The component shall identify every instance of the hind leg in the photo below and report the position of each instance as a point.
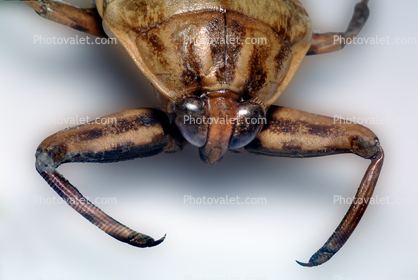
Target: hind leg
(292, 133)
(86, 20)
(334, 41)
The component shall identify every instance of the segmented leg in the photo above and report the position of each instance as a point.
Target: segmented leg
(85, 20)
(334, 41)
(122, 136)
(292, 133)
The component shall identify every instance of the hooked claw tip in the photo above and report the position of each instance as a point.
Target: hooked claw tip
(158, 241)
(321, 256)
(151, 242)
(306, 264)
(143, 241)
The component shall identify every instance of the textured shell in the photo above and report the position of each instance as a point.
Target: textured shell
(186, 47)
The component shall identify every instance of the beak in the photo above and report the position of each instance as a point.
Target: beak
(221, 113)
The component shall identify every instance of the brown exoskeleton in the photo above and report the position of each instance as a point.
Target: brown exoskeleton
(217, 87)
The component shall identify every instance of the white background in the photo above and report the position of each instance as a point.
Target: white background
(44, 86)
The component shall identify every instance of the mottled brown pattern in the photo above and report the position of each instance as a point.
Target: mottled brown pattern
(235, 34)
(283, 126)
(282, 56)
(139, 15)
(217, 34)
(134, 123)
(90, 134)
(320, 130)
(137, 127)
(156, 43)
(223, 64)
(192, 68)
(258, 75)
(297, 126)
(57, 152)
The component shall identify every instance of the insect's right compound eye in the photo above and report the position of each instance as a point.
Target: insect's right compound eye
(250, 119)
(191, 120)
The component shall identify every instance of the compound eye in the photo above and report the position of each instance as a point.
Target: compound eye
(250, 120)
(190, 119)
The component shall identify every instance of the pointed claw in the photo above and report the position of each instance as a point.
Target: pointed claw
(305, 264)
(320, 257)
(157, 242)
(143, 241)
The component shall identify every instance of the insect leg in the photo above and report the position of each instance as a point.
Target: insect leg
(86, 20)
(292, 133)
(122, 136)
(334, 41)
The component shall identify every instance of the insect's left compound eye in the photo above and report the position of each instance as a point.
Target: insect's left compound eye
(191, 120)
(250, 119)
